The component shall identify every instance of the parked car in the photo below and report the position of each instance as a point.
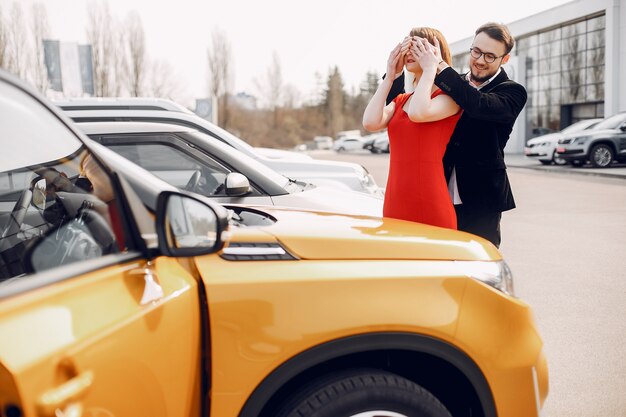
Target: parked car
(377, 142)
(120, 295)
(602, 145)
(343, 175)
(348, 143)
(323, 142)
(543, 148)
(192, 161)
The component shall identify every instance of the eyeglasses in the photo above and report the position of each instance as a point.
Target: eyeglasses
(489, 57)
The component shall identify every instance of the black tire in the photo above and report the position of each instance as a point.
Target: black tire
(601, 155)
(557, 160)
(352, 393)
(544, 162)
(577, 163)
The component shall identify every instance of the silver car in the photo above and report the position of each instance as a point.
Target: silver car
(543, 148)
(343, 175)
(193, 161)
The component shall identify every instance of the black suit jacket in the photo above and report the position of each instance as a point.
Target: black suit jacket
(476, 148)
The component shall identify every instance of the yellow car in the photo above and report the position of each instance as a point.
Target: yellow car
(121, 296)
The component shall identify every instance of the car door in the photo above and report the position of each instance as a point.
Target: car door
(170, 158)
(88, 326)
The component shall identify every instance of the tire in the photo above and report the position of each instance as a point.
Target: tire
(544, 162)
(577, 163)
(341, 149)
(601, 155)
(557, 160)
(364, 393)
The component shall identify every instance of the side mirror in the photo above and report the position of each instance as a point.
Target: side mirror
(236, 185)
(189, 225)
(39, 194)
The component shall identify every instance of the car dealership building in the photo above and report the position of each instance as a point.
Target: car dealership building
(572, 61)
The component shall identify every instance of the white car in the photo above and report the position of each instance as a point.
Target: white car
(342, 175)
(543, 148)
(192, 161)
(348, 143)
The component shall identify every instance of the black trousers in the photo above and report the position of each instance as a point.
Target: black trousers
(479, 222)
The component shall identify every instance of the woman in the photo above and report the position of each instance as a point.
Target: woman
(419, 125)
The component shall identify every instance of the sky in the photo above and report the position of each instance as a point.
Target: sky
(309, 37)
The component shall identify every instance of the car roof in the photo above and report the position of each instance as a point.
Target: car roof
(106, 128)
(120, 103)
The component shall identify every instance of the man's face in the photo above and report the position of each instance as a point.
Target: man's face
(480, 69)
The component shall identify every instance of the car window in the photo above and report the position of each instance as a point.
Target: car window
(176, 167)
(57, 205)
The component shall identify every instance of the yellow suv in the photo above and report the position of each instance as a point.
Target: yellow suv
(121, 296)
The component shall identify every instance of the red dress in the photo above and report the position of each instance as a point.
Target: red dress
(416, 186)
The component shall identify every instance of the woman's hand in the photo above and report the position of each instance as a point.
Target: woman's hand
(395, 63)
(425, 54)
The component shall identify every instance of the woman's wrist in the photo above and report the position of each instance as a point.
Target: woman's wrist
(441, 65)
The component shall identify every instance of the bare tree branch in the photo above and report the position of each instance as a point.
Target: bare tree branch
(3, 42)
(100, 35)
(19, 57)
(40, 31)
(136, 46)
(219, 60)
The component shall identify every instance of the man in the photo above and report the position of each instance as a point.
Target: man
(474, 159)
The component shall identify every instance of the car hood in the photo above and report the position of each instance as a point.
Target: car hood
(333, 199)
(322, 235)
(313, 166)
(600, 133)
(282, 154)
(551, 137)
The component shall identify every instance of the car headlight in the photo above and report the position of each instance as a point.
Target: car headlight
(367, 180)
(581, 140)
(495, 274)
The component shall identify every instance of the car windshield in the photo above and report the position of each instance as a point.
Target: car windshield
(581, 125)
(612, 122)
(25, 124)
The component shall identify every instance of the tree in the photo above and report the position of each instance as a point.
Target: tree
(40, 31)
(101, 35)
(161, 80)
(18, 52)
(135, 40)
(334, 101)
(271, 87)
(219, 60)
(3, 42)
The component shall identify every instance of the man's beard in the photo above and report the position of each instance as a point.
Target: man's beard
(480, 80)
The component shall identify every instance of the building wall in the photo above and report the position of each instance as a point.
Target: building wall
(570, 60)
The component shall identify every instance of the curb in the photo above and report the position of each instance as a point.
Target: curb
(595, 172)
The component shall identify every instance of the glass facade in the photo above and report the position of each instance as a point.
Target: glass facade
(564, 73)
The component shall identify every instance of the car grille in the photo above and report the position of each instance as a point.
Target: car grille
(252, 251)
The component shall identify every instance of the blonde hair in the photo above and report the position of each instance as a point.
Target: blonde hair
(430, 34)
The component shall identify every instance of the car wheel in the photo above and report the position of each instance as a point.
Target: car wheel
(364, 393)
(544, 162)
(341, 149)
(557, 160)
(601, 156)
(577, 163)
